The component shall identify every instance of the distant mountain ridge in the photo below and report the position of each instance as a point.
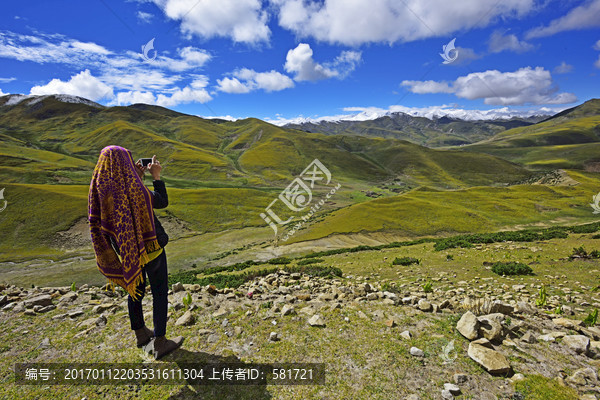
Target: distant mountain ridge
(437, 132)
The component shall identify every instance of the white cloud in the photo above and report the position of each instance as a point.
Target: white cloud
(6, 80)
(232, 85)
(189, 58)
(584, 16)
(90, 47)
(597, 45)
(424, 87)
(2, 93)
(563, 68)
(246, 80)
(431, 112)
(499, 42)
(300, 62)
(188, 94)
(83, 85)
(597, 63)
(241, 20)
(353, 22)
(144, 17)
(524, 86)
(133, 97)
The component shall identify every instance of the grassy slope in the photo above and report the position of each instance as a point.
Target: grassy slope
(429, 212)
(567, 140)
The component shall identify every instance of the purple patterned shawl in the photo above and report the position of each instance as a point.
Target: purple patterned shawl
(120, 206)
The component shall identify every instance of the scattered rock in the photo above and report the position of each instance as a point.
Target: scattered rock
(460, 378)
(567, 323)
(578, 343)
(482, 352)
(452, 388)
(499, 307)
(390, 322)
(41, 300)
(186, 319)
(46, 309)
(287, 310)
(490, 328)
(529, 337)
(316, 321)
(468, 325)
(424, 305)
(406, 335)
(525, 308)
(274, 336)
(177, 287)
(583, 377)
(414, 351)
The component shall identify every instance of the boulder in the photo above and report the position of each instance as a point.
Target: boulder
(41, 300)
(482, 352)
(499, 307)
(468, 325)
(567, 323)
(578, 343)
(490, 328)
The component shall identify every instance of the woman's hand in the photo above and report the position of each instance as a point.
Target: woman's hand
(139, 169)
(154, 168)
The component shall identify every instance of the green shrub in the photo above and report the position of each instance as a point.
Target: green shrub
(187, 300)
(428, 287)
(542, 297)
(511, 268)
(449, 257)
(73, 287)
(406, 261)
(279, 261)
(587, 228)
(591, 319)
(310, 261)
(580, 252)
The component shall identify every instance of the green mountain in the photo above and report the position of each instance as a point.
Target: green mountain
(222, 174)
(570, 139)
(437, 132)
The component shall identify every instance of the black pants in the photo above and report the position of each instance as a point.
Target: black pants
(156, 272)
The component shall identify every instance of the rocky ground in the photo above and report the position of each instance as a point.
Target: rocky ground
(479, 339)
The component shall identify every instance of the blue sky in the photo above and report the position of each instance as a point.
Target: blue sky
(282, 59)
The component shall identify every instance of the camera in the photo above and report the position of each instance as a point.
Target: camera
(145, 161)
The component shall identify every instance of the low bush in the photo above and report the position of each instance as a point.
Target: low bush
(406, 261)
(511, 268)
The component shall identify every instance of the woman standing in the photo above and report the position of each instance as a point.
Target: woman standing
(129, 240)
